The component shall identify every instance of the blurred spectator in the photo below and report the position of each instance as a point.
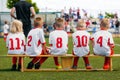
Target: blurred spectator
(5, 30)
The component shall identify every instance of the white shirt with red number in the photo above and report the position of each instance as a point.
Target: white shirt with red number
(81, 42)
(5, 28)
(35, 39)
(15, 43)
(59, 41)
(102, 39)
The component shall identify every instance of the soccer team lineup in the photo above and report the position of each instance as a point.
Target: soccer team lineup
(38, 40)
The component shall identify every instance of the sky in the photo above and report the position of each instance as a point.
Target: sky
(93, 7)
(88, 4)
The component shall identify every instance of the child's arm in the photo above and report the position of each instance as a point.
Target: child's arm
(110, 43)
(44, 48)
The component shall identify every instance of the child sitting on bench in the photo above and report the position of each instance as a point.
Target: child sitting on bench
(81, 44)
(103, 43)
(58, 41)
(36, 44)
(16, 42)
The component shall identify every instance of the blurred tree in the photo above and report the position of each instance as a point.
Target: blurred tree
(109, 15)
(10, 4)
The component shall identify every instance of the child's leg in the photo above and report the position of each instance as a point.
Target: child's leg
(14, 61)
(31, 64)
(41, 60)
(35, 59)
(56, 61)
(107, 61)
(75, 62)
(58, 66)
(87, 64)
(19, 63)
(86, 60)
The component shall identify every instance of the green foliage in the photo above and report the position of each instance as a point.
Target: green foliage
(109, 15)
(10, 4)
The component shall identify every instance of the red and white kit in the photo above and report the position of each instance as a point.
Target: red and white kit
(15, 43)
(81, 42)
(58, 40)
(35, 39)
(102, 42)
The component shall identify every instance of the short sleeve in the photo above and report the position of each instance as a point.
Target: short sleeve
(42, 38)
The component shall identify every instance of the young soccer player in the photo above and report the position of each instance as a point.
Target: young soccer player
(103, 43)
(81, 44)
(15, 42)
(58, 41)
(5, 30)
(36, 44)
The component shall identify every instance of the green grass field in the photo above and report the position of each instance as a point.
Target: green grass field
(6, 74)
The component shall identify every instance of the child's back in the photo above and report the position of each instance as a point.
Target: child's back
(59, 41)
(81, 42)
(102, 39)
(15, 43)
(34, 40)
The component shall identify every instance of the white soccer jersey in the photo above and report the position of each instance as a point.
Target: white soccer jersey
(102, 39)
(59, 41)
(35, 39)
(81, 43)
(5, 28)
(15, 43)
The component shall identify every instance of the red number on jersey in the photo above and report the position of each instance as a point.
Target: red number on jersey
(59, 42)
(99, 41)
(12, 44)
(29, 40)
(82, 41)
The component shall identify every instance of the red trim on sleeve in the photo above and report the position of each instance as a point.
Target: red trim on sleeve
(51, 45)
(43, 43)
(92, 39)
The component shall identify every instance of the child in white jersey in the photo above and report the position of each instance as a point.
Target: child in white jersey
(103, 43)
(36, 44)
(58, 40)
(5, 30)
(81, 44)
(15, 42)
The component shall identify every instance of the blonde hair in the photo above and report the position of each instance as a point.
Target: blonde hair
(59, 22)
(81, 23)
(38, 21)
(16, 26)
(104, 23)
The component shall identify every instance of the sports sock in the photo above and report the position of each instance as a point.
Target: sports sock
(75, 61)
(107, 61)
(86, 60)
(35, 59)
(42, 59)
(19, 61)
(56, 61)
(14, 60)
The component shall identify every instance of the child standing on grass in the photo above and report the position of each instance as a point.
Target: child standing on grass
(16, 42)
(5, 30)
(36, 44)
(58, 41)
(103, 43)
(81, 44)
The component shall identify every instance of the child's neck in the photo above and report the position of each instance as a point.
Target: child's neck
(38, 27)
(103, 28)
(59, 28)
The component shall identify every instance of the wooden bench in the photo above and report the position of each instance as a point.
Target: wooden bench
(66, 62)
